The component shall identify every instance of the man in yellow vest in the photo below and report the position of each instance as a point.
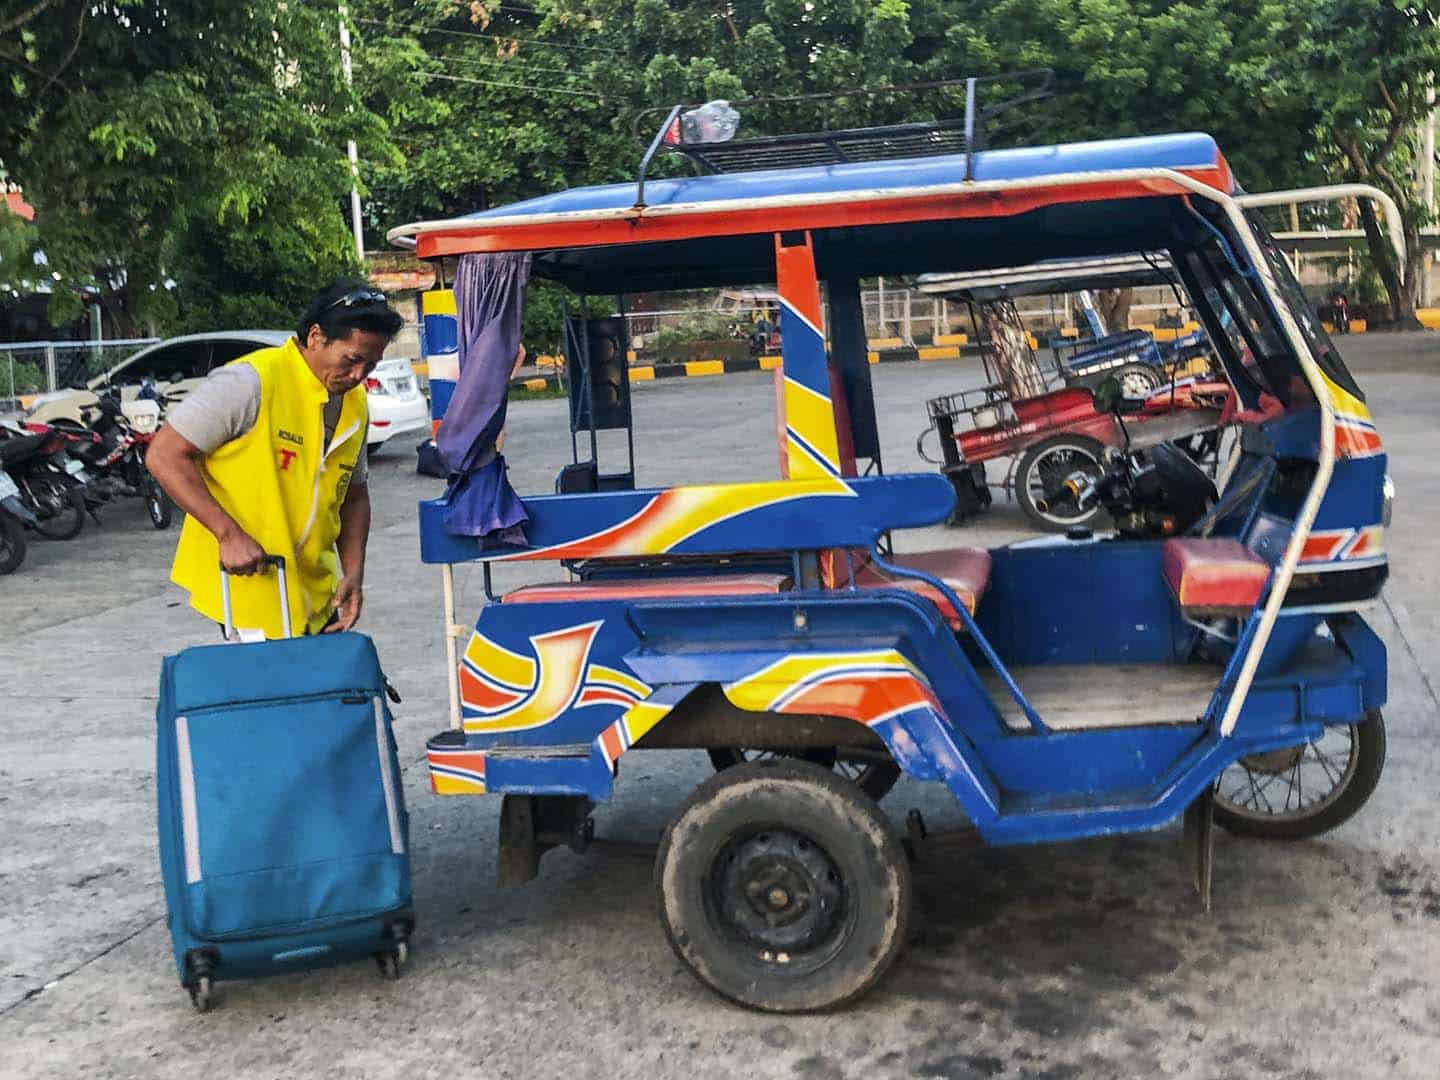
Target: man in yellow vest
(267, 456)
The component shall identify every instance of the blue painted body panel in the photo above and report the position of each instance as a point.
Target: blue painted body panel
(850, 513)
(1157, 151)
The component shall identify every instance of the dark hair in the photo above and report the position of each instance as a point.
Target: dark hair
(338, 320)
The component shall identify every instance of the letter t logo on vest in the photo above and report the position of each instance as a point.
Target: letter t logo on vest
(286, 456)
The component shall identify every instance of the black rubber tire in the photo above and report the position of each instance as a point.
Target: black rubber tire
(12, 543)
(835, 822)
(157, 504)
(1359, 785)
(69, 523)
(1138, 372)
(1082, 443)
(875, 778)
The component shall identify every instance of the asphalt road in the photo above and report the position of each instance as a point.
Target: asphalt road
(1088, 960)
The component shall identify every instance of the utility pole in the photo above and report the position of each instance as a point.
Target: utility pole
(1427, 184)
(354, 154)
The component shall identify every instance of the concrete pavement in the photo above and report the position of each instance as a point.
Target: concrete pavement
(1088, 960)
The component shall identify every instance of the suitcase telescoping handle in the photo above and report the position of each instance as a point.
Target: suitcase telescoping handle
(277, 561)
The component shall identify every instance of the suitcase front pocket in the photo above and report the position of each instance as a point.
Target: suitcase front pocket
(287, 795)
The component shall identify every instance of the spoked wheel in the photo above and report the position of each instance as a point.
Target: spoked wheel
(1041, 475)
(1300, 792)
(872, 771)
(65, 508)
(783, 888)
(1138, 380)
(12, 543)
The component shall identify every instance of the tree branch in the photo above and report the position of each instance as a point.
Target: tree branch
(74, 48)
(25, 16)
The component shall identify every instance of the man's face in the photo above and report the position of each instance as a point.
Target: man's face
(343, 363)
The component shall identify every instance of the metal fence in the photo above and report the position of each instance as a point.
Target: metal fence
(34, 367)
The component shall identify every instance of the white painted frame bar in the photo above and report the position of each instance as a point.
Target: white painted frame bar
(1162, 182)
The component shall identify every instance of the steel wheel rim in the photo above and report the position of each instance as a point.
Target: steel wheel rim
(1268, 788)
(1057, 462)
(779, 895)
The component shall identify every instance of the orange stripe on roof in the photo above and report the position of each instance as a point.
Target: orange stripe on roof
(639, 228)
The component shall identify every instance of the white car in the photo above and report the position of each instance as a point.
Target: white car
(177, 364)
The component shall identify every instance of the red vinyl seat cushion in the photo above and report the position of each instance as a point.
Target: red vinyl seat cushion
(965, 570)
(1213, 573)
(649, 588)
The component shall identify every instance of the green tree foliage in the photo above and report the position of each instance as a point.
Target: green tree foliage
(188, 157)
(554, 90)
(1366, 66)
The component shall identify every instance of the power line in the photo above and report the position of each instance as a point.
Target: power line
(509, 86)
(487, 37)
(490, 62)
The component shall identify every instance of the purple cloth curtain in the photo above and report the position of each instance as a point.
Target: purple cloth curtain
(489, 303)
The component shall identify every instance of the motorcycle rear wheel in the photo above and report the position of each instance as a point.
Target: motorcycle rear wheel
(1265, 795)
(12, 543)
(67, 523)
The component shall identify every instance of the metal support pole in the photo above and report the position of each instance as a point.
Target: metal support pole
(355, 223)
(880, 307)
(907, 331)
(1427, 186)
(452, 652)
(51, 376)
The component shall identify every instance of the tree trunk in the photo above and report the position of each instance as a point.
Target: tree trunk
(1402, 297)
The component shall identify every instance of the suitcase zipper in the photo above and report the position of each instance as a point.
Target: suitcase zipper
(356, 696)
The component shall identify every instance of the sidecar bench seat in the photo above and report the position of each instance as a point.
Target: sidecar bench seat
(1213, 576)
(649, 588)
(966, 570)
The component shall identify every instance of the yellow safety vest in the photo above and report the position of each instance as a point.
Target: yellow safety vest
(283, 488)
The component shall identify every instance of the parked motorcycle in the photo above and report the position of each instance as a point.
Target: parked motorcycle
(14, 517)
(43, 474)
(116, 456)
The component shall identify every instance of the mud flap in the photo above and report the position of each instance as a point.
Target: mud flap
(1199, 842)
(531, 825)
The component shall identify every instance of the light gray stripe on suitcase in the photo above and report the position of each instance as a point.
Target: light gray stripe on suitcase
(382, 746)
(189, 819)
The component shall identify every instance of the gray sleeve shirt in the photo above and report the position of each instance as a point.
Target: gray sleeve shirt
(226, 405)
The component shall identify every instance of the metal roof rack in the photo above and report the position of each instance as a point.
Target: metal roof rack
(976, 130)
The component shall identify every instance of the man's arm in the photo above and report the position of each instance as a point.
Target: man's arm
(354, 534)
(175, 462)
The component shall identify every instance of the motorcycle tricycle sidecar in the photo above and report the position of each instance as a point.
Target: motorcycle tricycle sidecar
(1058, 690)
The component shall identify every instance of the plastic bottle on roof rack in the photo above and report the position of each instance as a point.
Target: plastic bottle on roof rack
(713, 122)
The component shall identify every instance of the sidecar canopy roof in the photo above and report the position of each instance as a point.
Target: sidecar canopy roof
(876, 217)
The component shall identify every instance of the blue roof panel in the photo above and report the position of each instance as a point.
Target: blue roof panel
(1188, 150)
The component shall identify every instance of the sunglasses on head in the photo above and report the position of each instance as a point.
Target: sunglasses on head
(364, 295)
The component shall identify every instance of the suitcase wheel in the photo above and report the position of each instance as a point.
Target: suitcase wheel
(200, 994)
(392, 960)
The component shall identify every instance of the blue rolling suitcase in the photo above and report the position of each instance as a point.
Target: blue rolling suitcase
(284, 841)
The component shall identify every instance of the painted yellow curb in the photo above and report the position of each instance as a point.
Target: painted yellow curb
(770, 363)
(642, 374)
(873, 357)
(535, 384)
(886, 342)
(705, 367)
(1429, 317)
(952, 339)
(942, 352)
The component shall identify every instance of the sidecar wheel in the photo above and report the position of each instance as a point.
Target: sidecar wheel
(783, 888)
